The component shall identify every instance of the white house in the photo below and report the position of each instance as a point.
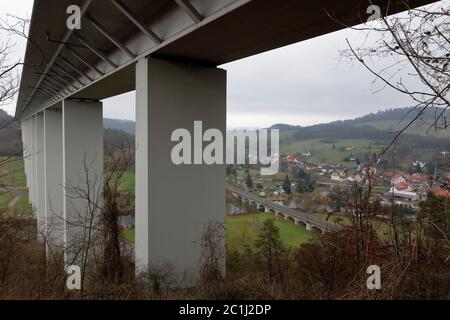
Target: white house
(421, 164)
(412, 196)
(336, 177)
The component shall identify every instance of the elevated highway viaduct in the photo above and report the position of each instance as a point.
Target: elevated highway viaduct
(169, 52)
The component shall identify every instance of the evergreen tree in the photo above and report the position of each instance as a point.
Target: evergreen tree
(338, 204)
(302, 174)
(249, 182)
(305, 185)
(287, 185)
(271, 248)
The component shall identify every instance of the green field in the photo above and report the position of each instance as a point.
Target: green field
(127, 181)
(22, 206)
(323, 152)
(12, 176)
(129, 235)
(12, 172)
(5, 198)
(242, 230)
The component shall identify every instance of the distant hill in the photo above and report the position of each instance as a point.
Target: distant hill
(380, 126)
(375, 130)
(398, 114)
(124, 125)
(376, 127)
(284, 127)
(393, 120)
(10, 138)
(118, 133)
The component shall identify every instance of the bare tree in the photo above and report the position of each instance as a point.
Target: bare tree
(13, 28)
(415, 49)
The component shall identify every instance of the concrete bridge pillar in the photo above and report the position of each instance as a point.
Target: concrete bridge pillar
(308, 227)
(175, 203)
(54, 192)
(32, 159)
(82, 152)
(24, 130)
(40, 177)
(27, 155)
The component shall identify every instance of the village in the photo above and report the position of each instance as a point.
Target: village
(323, 188)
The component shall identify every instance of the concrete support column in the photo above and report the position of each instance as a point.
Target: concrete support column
(82, 127)
(308, 227)
(32, 159)
(176, 203)
(28, 158)
(25, 149)
(54, 191)
(40, 177)
(24, 133)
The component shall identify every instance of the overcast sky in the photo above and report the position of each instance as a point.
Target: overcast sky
(301, 84)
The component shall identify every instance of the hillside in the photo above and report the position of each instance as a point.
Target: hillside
(379, 126)
(124, 125)
(370, 133)
(392, 120)
(10, 139)
(118, 133)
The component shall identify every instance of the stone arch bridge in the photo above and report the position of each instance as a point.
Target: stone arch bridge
(306, 220)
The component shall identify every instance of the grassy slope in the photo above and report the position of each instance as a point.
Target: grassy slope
(12, 173)
(322, 152)
(23, 206)
(5, 198)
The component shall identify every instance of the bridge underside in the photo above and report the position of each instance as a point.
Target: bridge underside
(60, 63)
(169, 52)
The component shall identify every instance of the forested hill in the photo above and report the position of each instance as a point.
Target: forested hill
(10, 139)
(381, 126)
(402, 115)
(396, 117)
(124, 125)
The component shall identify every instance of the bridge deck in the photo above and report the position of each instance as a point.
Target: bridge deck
(228, 30)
